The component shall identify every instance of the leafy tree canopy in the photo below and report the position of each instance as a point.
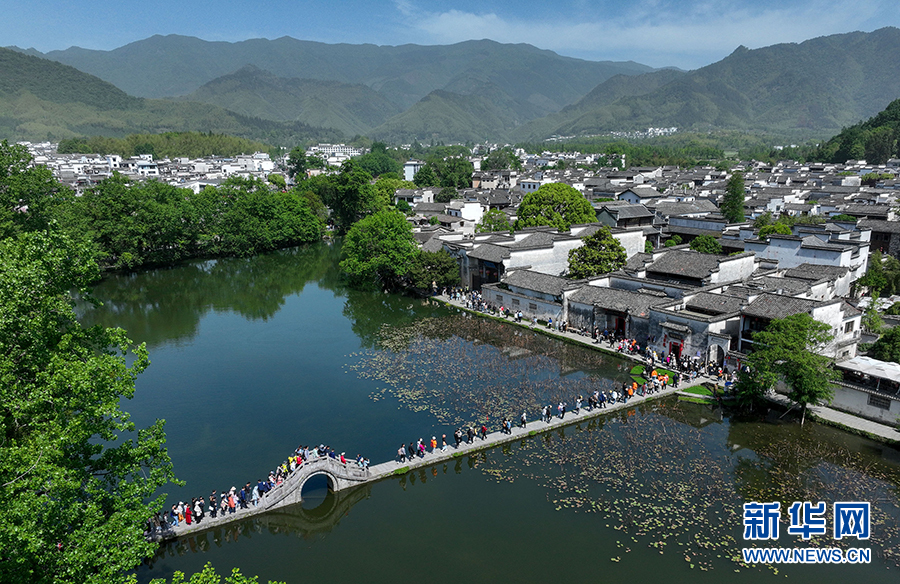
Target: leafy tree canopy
(556, 205)
(378, 250)
(298, 163)
(844, 217)
(425, 177)
(673, 241)
(786, 349)
(601, 253)
(887, 348)
(501, 159)
(494, 220)
(29, 195)
(208, 575)
(733, 202)
(706, 244)
(77, 482)
(433, 267)
(446, 195)
(768, 230)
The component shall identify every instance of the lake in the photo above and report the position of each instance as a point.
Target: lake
(251, 358)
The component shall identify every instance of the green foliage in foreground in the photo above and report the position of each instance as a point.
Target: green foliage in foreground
(77, 480)
(209, 576)
(165, 145)
(601, 253)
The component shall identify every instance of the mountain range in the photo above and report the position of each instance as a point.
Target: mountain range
(472, 91)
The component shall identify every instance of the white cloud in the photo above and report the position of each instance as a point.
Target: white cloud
(651, 31)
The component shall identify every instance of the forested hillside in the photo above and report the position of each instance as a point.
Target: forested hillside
(808, 89)
(41, 99)
(352, 109)
(876, 140)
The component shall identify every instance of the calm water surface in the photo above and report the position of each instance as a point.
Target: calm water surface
(251, 358)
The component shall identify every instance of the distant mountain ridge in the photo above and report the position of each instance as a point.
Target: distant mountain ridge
(42, 99)
(812, 88)
(351, 109)
(174, 65)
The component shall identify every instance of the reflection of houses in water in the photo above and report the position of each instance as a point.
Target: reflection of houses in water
(869, 388)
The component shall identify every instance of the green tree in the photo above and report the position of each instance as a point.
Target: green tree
(208, 575)
(29, 195)
(871, 318)
(425, 177)
(501, 159)
(887, 348)
(706, 244)
(768, 230)
(351, 196)
(77, 482)
(378, 250)
(733, 202)
(673, 241)
(786, 349)
(297, 163)
(844, 217)
(875, 278)
(135, 224)
(433, 267)
(556, 205)
(378, 162)
(601, 253)
(494, 220)
(446, 195)
(277, 180)
(386, 188)
(763, 220)
(243, 216)
(648, 246)
(453, 171)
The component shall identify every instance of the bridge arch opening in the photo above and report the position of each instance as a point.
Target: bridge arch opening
(316, 490)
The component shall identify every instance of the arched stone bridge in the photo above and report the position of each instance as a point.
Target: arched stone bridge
(342, 477)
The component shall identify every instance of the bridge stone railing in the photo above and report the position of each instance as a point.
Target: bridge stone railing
(340, 476)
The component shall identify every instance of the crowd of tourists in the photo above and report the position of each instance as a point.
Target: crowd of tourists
(229, 501)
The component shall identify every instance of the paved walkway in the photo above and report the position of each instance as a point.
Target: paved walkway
(394, 467)
(845, 421)
(823, 414)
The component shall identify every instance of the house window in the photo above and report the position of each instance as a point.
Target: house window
(515, 301)
(876, 401)
(499, 297)
(532, 306)
(848, 328)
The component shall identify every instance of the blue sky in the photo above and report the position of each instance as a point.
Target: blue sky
(686, 34)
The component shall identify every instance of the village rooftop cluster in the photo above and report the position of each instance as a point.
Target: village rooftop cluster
(683, 302)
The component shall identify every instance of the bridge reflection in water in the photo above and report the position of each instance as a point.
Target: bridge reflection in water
(292, 519)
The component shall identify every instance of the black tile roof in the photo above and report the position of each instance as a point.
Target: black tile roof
(689, 264)
(536, 281)
(815, 272)
(637, 303)
(774, 306)
(714, 303)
